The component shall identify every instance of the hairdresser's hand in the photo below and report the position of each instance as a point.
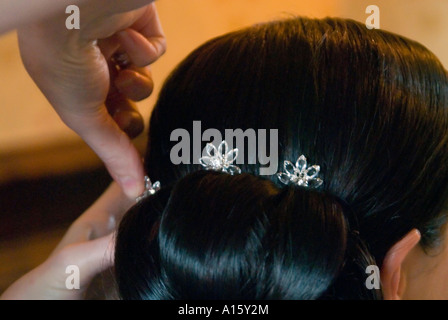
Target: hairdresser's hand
(78, 73)
(88, 244)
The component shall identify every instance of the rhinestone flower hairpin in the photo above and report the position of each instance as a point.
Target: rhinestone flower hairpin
(220, 159)
(300, 174)
(150, 189)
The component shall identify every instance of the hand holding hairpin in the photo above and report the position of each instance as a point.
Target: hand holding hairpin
(300, 174)
(150, 189)
(121, 60)
(220, 159)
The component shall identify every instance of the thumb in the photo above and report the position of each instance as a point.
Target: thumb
(114, 148)
(90, 257)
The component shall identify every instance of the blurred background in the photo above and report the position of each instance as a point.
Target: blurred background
(48, 176)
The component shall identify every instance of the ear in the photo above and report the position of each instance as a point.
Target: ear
(392, 282)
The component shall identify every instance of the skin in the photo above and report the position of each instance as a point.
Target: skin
(411, 273)
(105, 109)
(89, 244)
(426, 273)
(407, 273)
(15, 13)
(77, 73)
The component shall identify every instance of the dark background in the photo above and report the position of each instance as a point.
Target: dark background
(34, 215)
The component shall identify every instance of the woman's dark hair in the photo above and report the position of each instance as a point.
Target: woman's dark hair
(368, 106)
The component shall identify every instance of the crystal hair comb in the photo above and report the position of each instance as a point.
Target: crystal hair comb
(220, 159)
(300, 174)
(150, 189)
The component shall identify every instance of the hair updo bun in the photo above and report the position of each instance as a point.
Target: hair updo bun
(217, 236)
(369, 106)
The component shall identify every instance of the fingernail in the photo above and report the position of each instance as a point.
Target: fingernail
(131, 122)
(125, 82)
(132, 187)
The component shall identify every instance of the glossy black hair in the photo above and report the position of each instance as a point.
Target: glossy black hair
(368, 106)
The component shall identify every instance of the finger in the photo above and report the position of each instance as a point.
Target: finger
(134, 83)
(142, 51)
(109, 46)
(49, 280)
(112, 203)
(145, 40)
(150, 27)
(125, 113)
(114, 148)
(96, 255)
(100, 219)
(90, 257)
